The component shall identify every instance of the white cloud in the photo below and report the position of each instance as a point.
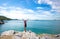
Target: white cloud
(39, 1)
(17, 12)
(21, 13)
(55, 4)
(39, 8)
(43, 1)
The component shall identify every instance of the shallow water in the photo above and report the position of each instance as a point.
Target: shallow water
(37, 26)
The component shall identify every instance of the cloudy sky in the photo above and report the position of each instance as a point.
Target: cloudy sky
(30, 9)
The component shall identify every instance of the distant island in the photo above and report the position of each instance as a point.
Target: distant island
(4, 18)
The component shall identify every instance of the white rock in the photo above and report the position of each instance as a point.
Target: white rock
(43, 38)
(27, 35)
(10, 32)
(16, 37)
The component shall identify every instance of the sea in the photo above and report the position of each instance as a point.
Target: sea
(36, 26)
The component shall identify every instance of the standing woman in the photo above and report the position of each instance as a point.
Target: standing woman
(25, 25)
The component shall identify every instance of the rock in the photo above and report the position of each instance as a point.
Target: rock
(27, 35)
(1, 22)
(10, 32)
(58, 35)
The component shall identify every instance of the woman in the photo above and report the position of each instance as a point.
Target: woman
(25, 25)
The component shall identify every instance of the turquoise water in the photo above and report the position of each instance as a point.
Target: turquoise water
(37, 26)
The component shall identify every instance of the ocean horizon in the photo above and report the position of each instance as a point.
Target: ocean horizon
(37, 26)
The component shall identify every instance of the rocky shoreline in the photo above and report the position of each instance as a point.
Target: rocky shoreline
(11, 34)
(1, 22)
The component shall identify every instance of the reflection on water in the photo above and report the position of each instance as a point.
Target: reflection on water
(42, 26)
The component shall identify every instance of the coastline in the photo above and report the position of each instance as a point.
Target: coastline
(11, 34)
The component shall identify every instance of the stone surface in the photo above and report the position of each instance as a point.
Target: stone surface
(11, 34)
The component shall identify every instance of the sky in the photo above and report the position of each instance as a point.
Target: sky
(30, 9)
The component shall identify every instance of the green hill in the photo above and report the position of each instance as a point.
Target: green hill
(4, 18)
